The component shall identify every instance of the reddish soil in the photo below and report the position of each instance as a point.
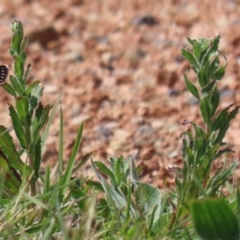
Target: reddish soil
(120, 68)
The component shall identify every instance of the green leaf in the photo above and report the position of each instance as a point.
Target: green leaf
(18, 127)
(215, 99)
(225, 125)
(192, 60)
(9, 89)
(220, 120)
(42, 115)
(191, 41)
(32, 86)
(8, 148)
(17, 36)
(199, 132)
(199, 149)
(115, 198)
(214, 66)
(211, 50)
(191, 87)
(22, 106)
(37, 157)
(46, 180)
(29, 66)
(22, 50)
(202, 77)
(207, 88)
(83, 160)
(218, 75)
(95, 184)
(149, 199)
(34, 95)
(220, 178)
(205, 108)
(214, 219)
(16, 85)
(214, 47)
(119, 170)
(68, 173)
(133, 171)
(18, 68)
(105, 170)
(197, 50)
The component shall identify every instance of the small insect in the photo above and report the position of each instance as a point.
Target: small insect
(3, 73)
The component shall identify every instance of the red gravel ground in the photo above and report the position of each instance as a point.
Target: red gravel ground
(120, 68)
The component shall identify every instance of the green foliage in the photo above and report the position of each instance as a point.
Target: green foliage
(56, 205)
(129, 199)
(202, 146)
(214, 219)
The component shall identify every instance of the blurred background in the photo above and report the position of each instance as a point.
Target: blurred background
(120, 68)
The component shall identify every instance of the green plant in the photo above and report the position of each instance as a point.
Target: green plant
(27, 198)
(201, 149)
(56, 205)
(132, 202)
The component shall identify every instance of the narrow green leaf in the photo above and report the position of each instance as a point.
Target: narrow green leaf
(211, 50)
(22, 49)
(105, 170)
(192, 60)
(8, 148)
(31, 86)
(199, 149)
(83, 160)
(133, 171)
(220, 120)
(18, 68)
(220, 178)
(42, 115)
(238, 206)
(9, 89)
(46, 180)
(218, 75)
(18, 127)
(149, 199)
(215, 99)
(115, 198)
(191, 41)
(199, 132)
(214, 67)
(16, 85)
(197, 50)
(29, 66)
(17, 35)
(214, 47)
(191, 87)
(35, 95)
(22, 106)
(37, 157)
(204, 53)
(202, 78)
(207, 88)
(68, 173)
(206, 109)
(48, 231)
(60, 151)
(225, 125)
(95, 184)
(119, 170)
